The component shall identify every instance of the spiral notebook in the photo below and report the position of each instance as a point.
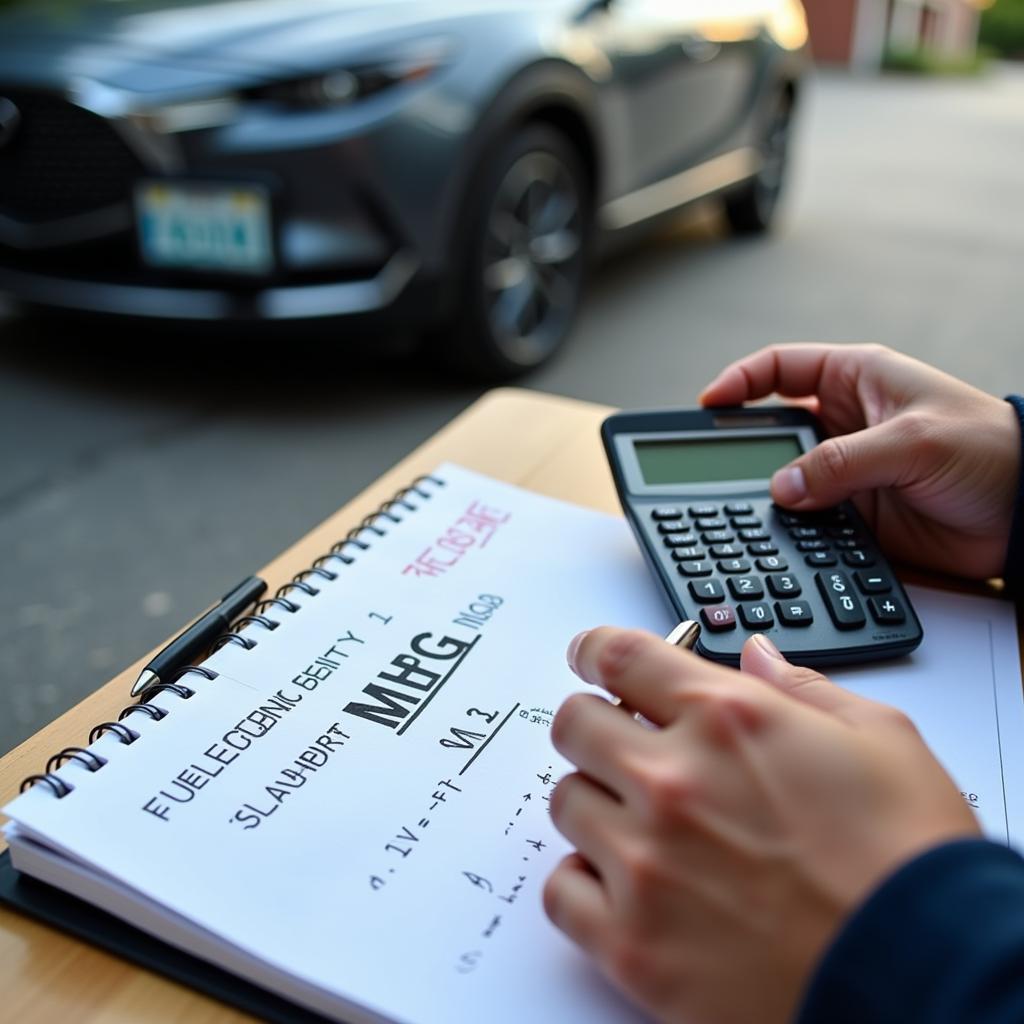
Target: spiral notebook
(346, 805)
(342, 813)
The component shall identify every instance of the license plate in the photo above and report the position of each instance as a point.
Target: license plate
(205, 227)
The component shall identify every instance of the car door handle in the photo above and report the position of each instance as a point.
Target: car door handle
(699, 48)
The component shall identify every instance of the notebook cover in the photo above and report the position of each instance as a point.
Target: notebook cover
(84, 921)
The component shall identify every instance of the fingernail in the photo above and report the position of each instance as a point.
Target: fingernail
(708, 388)
(574, 646)
(768, 647)
(789, 485)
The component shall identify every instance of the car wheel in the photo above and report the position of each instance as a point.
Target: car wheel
(524, 258)
(751, 209)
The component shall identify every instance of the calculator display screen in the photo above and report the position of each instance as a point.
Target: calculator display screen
(713, 461)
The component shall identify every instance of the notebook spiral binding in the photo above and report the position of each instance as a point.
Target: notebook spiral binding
(93, 762)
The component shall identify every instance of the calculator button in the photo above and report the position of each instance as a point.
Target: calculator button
(772, 563)
(746, 588)
(847, 545)
(842, 532)
(763, 547)
(732, 565)
(787, 518)
(712, 524)
(726, 551)
(673, 526)
(873, 582)
(858, 557)
(697, 568)
(707, 591)
(756, 616)
(784, 585)
(887, 611)
(717, 537)
(812, 545)
(739, 509)
(746, 521)
(719, 619)
(665, 512)
(794, 613)
(703, 511)
(679, 540)
(688, 554)
(805, 533)
(834, 516)
(758, 534)
(821, 559)
(843, 604)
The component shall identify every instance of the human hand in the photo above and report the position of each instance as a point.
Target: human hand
(931, 462)
(720, 850)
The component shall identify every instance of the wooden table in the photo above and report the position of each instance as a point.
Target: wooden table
(540, 442)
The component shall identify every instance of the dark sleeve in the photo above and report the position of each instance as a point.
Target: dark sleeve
(1013, 572)
(940, 942)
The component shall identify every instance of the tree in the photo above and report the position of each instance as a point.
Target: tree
(1002, 28)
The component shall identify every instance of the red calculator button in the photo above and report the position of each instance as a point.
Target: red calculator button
(719, 619)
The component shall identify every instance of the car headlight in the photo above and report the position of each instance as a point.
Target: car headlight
(341, 87)
(338, 87)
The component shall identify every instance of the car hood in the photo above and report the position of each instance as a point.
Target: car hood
(149, 46)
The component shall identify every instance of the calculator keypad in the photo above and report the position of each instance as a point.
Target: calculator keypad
(751, 566)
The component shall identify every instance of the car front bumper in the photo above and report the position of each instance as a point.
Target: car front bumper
(366, 296)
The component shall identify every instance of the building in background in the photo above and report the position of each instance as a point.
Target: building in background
(857, 33)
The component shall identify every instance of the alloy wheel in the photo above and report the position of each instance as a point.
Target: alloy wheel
(533, 257)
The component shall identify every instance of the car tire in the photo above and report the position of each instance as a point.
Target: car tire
(521, 260)
(751, 209)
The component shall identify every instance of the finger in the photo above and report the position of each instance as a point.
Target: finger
(576, 903)
(599, 739)
(843, 466)
(640, 668)
(792, 370)
(589, 817)
(761, 658)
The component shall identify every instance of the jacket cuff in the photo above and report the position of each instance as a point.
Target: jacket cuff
(1013, 571)
(931, 945)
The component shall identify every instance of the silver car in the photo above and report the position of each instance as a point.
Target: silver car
(448, 166)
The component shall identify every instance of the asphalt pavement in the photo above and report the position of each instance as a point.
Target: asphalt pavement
(142, 475)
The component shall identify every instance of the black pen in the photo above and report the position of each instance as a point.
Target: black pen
(200, 635)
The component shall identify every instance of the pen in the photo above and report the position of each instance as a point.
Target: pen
(686, 634)
(200, 635)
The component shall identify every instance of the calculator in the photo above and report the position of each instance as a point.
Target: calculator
(695, 488)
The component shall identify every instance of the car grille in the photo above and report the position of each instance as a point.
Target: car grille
(64, 161)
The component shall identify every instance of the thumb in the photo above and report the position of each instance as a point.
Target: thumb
(761, 658)
(840, 467)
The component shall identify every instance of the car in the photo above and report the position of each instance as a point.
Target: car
(448, 166)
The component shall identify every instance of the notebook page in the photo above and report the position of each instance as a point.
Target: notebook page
(384, 839)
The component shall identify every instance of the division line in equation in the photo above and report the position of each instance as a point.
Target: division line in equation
(437, 688)
(483, 746)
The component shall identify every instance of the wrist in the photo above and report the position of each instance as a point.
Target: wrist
(1013, 569)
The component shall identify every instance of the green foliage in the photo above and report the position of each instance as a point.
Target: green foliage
(929, 62)
(1002, 28)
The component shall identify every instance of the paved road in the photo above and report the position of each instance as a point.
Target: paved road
(135, 488)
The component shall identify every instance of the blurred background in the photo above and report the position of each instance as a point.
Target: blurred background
(250, 257)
